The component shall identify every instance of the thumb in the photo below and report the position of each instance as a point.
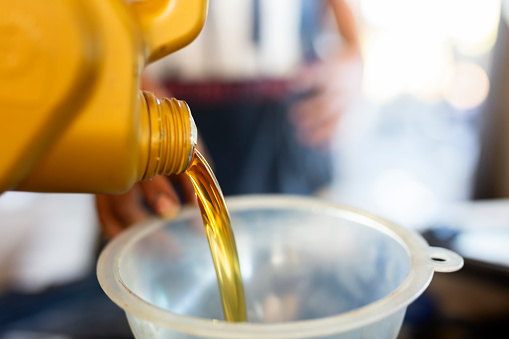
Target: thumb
(161, 196)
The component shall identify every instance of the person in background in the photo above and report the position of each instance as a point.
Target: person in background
(267, 83)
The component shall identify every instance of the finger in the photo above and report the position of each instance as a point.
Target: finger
(161, 196)
(321, 136)
(317, 126)
(128, 207)
(304, 109)
(308, 77)
(117, 212)
(310, 112)
(321, 132)
(110, 224)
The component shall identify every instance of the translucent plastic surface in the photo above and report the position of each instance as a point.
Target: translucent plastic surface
(310, 270)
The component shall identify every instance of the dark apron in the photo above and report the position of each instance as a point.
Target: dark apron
(254, 149)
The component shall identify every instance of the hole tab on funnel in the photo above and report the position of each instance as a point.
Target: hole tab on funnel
(444, 260)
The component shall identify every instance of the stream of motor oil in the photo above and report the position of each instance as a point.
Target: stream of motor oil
(216, 221)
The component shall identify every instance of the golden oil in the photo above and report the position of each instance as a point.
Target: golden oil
(216, 221)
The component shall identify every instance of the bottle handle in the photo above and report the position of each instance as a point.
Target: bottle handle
(168, 25)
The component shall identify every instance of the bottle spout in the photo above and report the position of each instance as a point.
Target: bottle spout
(171, 137)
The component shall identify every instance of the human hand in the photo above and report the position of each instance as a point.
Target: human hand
(117, 212)
(333, 85)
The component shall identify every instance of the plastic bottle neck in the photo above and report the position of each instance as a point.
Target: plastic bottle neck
(169, 133)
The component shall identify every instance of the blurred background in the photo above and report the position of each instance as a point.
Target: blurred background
(412, 145)
(424, 145)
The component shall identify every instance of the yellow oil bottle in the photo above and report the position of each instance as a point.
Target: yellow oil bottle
(72, 117)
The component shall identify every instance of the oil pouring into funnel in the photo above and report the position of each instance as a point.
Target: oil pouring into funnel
(310, 269)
